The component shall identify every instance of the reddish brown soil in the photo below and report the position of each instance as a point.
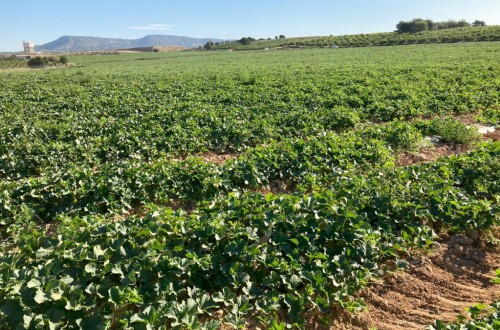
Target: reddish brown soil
(493, 135)
(177, 204)
(468, 118)
(218, 158)
(425, 155)
(279, 187)
(208, 157)
(430, 154)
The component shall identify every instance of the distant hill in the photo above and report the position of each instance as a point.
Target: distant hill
(79, 44)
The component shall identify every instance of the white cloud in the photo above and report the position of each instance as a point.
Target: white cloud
(153, 27)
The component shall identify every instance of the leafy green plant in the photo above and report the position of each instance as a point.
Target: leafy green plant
(496, 280)
(481, 316)
(38, 61)
(403, 136)
(132, 197)
(451, 130)
(490, 116)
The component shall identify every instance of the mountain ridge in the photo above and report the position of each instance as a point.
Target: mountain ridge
(69, 43)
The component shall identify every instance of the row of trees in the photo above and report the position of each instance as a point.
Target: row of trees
(465, 34)
(243, 41)
(39, 61)
(249, 40)
(420, 24)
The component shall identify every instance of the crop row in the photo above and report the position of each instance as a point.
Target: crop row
(249, 255)
(62, 118)
(119, 186)
(466, 34)
(11, 64)
(94, 157)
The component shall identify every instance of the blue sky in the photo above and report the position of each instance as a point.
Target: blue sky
(45, 20)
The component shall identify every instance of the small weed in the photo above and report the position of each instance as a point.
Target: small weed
(404, 136)
(451, 130)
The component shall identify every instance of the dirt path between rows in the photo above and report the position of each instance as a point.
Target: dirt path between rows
(437, 286)
(431, 153)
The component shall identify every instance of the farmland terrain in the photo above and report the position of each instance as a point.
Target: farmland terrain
(82, 44)
(455, 35)
(251, 189)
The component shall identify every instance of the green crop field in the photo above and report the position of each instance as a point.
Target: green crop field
(464, 34)
(155, 190)
(12, 64)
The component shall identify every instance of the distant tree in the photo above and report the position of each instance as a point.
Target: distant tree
(430, 24)
(275, 37)
(416, 25)
(478, 23)
(463, 23)
(38, 62)
(246, 40)
(282, 36)
(442, 25)
(53, 60)
(403, 27)
(420, 25)
(63, 59)
(209, 45)
(452, 24)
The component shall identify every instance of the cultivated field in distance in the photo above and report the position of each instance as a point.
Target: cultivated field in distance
(349, 188)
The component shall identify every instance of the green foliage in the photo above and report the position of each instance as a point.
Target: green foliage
(93, 118)
(423, 32)
(41, 61)
(12, 63)
(420, 25)
(490, 116)
(209, 45)
(414, 26)
(63, 59)
(481, 316)
(305, 210)
(404, 136)
(38, 61)
(496, 279)
(246, 40)
(478, 23)
(245, 252)
(53, 60)
(117, 186)
(450, 130)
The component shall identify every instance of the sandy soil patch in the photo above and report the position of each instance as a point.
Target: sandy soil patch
(437, 286)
